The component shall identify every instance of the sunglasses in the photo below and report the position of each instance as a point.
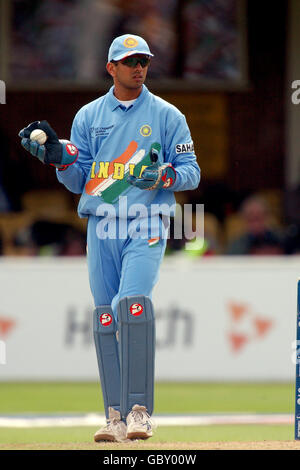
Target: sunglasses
(133, 61)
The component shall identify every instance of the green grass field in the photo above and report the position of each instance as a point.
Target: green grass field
(170, 398)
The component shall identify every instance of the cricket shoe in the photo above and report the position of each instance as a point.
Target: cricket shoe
(139, 424)
(114, 430)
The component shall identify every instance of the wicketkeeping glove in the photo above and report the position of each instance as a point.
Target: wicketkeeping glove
(155, 176)
(55, 152)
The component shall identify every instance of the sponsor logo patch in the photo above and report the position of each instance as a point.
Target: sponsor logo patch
(136, 309)
(167, 181)
(105, 319)
(71, 149)
(185, 148)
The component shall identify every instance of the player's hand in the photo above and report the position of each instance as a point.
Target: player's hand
(155, 176)
(59, 153)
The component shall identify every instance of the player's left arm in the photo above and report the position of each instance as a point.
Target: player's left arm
(179, 152)
(179, 171)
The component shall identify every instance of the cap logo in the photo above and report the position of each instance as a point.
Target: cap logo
(130, 42)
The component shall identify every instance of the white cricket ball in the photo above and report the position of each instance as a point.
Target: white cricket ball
(38, 136)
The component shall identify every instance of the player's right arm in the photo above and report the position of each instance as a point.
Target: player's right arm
(72, 159)
(74, 177)
(55, 152)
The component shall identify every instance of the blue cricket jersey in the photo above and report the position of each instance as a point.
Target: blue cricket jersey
(115, 141)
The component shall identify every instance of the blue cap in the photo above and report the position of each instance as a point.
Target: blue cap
(126, 45)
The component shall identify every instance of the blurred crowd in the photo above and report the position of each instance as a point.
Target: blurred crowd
(46, 45)
(264, 223)
(267, 223)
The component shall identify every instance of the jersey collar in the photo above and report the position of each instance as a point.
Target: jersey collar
(113, 103)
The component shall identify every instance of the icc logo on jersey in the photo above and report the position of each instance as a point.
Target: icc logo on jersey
(146, 130)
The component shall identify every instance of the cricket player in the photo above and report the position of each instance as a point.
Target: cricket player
(128, 153)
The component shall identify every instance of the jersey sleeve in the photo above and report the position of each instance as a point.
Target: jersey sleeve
(179, 151)
(74, 177)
